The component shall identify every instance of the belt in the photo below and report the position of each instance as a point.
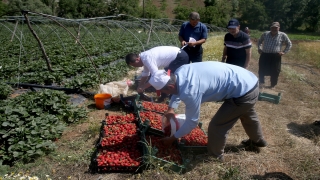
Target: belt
(250, 91)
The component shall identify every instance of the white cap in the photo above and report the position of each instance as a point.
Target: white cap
(159, 79)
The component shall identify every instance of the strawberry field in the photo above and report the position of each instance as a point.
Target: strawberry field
(77, 55)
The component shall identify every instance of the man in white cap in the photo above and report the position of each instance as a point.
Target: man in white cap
(213, 81)
(167, 57)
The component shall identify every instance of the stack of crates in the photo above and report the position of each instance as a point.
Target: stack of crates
(131, 143)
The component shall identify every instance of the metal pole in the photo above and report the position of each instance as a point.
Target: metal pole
(143, 8)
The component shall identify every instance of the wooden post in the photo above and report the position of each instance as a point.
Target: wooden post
(39, 42)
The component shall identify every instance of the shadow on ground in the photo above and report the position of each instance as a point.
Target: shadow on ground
(309, 131)
(272, 175)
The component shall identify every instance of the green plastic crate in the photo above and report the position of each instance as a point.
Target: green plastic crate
(149, 158)
(270, 97)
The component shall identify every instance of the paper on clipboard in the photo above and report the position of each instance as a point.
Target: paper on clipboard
(192, 40)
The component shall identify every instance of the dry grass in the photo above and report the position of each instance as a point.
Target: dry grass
(294, 142)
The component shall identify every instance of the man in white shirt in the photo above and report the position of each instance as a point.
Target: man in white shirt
(167, 57)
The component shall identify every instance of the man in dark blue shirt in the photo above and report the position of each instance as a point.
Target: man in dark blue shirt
(192, 35)
(237, 46)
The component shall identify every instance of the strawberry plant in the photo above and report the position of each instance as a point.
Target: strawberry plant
(5, 90)
(32, 121)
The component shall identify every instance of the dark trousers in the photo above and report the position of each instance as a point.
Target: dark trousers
(195, 54)
(226, 117)
(238, 62)
(181, 59)
(269, 65)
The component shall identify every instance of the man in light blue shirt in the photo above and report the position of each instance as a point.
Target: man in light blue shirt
(213, 81)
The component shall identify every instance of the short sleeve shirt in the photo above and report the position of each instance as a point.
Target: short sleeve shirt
(198, 32)
(236, 46)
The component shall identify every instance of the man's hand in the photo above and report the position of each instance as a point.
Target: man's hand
(192, 44)
(281, 53)
(169, 114)
(140, 89)
(167, 141)
(223, 59)
(183, 43)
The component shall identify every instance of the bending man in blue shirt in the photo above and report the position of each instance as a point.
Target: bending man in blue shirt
(213, 81)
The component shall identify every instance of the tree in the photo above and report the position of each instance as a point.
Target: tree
(3, 8)
(51, 4)
(15, 7)
(93, 8)
(83, 8)
(253, 14)
(295, 18)
(182, 12)
(129, 7)
(312, 15)
(209, 3)
(152, 12)
(68, 9)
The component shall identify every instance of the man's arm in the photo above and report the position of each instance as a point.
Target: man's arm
(142, 83)
(182, 41)
(248, 57)
(288, 44)
(224, 54)
(199, 42)
(260, 43)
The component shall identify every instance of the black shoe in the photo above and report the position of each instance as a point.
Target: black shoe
(249, 142)
(317, 123)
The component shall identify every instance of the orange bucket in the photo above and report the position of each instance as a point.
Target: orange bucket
(102, 100)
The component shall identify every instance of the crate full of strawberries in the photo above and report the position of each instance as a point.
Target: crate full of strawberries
(156, 154)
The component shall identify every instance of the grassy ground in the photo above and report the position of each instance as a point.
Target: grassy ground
(294, 142)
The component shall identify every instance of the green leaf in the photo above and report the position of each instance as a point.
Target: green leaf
(5, 124)
(30, 151)
(5, 135)
(16, 154)
(21, 142)
(38, 145)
